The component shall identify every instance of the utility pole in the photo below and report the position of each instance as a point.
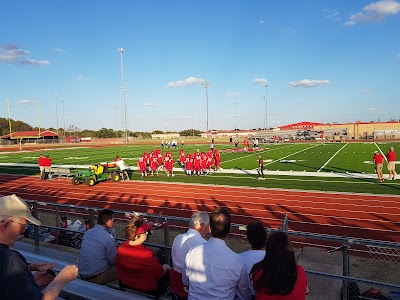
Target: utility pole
(206, 85)
(123, 90)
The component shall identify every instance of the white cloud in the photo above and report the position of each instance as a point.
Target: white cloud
(259, 81)
(375, 12)
(151, 105)
(331, 14)
(81, 77)
(11, 54)
(232, 94)
(185, 82)
(372, 109)
(57, 50)
(25, 101)
(306, 83)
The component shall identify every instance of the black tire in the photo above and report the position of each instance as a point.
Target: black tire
(90, 181)
(75, 181)
(115, 177)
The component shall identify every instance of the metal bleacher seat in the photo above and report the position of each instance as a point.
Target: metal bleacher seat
(80, 289)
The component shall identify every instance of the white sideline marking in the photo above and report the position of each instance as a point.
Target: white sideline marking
(331, 158)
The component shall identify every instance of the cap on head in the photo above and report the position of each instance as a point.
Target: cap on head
(14, 206)
(144, 227)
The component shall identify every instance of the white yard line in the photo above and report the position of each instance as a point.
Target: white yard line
(257, 152)
(380, 150)
(332, 158)
(290, 155)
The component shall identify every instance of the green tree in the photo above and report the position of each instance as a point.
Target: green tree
(157, 132)
(190, 132)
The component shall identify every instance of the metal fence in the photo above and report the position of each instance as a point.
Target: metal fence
(360, 268)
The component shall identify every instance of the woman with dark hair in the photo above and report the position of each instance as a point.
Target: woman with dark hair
(137, 266)
(277, 276)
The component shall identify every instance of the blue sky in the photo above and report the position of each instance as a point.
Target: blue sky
(323, 61)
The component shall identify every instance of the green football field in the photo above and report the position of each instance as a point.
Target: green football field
(321, 158)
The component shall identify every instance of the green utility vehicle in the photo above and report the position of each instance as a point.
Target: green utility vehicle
(96, 174)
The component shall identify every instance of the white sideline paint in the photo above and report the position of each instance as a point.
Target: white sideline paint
(331, 158)
(228, 171)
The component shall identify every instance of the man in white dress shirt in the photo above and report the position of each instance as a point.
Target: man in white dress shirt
(199, 226)
(257, 238)
(213, 270)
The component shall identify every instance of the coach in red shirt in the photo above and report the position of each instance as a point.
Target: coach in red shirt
(391, 158)
(378, 161)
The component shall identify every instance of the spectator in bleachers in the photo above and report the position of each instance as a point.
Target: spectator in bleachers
(213, 270)
(257, 238)
(278, 276)
(16, 279)
(137, 266)
(98, 250)
(198, 228)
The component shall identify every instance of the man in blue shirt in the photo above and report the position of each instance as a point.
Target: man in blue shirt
(98, 250)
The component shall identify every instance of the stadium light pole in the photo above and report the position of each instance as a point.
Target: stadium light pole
(206, 85)
(56, 110)
(266, 94)
(236, 126)
(123, 90)
(62, 101)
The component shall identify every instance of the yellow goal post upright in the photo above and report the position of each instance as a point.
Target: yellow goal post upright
(24, 137)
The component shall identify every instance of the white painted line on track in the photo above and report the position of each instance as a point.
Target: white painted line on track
(331, 158)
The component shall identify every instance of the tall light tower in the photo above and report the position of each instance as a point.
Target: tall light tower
(266, 93)
(62, 101)
(123, 90)
(56, 110)
(206, 85)
(236, 126)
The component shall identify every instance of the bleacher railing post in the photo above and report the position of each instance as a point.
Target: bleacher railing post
(35, 227)
(91, 218)
(346, 271)
(285, 225)
(166, 243)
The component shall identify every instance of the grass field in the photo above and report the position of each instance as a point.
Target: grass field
(295, 157)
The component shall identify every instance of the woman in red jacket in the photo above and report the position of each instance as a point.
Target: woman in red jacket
(277, 276)
(137, 266)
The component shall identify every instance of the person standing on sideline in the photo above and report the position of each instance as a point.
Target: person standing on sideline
(41, 166)
(122, 169)
(16, 279)
(47, 165)
(378, 161)
(213, 270)
(257, 237)
(198, 228)
(98, 251)
(260, 169)
(391, 158)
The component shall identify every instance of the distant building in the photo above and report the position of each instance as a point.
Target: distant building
(33, 136)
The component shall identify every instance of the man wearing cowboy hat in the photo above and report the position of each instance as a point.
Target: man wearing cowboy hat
(16, 279)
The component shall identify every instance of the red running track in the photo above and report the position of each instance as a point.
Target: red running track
(357, 215)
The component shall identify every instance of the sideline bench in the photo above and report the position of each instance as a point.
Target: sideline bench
(60, 172)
